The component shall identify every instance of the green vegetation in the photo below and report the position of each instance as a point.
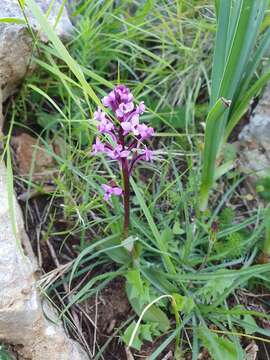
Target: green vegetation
(232, 77)
(189, 265)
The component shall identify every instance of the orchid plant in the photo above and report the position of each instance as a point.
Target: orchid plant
(121, 137)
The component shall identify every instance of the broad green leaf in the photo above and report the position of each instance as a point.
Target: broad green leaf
(166, 238)
(177, 230)
(137, 288)
(214, 288)
(219, 347)
(145, 332)
(242, 107)
(220, 49)
(183, 303)
(153, 314)
(137, 343)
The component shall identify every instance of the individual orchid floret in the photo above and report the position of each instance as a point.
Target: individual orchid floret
(118, 153)
(145, 131)
(109, 100)
(105, 126)
(141, 108)
(148, 154)
(109, 191)
(99, 115)
(131, 125)
(124, 109)
(98, 147)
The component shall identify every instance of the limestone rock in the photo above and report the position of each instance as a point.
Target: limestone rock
(16, 42)
(22, 309)
(22, 319)
(254, 139)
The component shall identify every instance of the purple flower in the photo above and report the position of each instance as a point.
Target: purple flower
(148, 154)
(123, 94)
(99, 115)
(109, 100)
(141, 108)
(118, 153)
(145, 131)
(105, 126)
(109, 191)
(98, 147)
(124, 108)
(131, 125)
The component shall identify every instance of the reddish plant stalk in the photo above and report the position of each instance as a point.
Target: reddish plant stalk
(126, 195)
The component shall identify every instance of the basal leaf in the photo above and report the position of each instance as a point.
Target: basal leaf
(219, 347)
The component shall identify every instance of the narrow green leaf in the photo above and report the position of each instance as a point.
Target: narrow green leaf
(220, 48)
(213, 135)
(12, 20)
(167, 261)
(61, 49)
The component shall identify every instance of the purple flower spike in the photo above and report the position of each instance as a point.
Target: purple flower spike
(123, 141)
(98, 147)
(109, 191)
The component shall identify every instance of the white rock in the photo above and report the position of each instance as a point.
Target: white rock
(16, 43)
(22, 319)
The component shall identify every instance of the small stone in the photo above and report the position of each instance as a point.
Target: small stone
(32, 158)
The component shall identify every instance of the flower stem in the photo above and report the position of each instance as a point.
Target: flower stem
(126, 192)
